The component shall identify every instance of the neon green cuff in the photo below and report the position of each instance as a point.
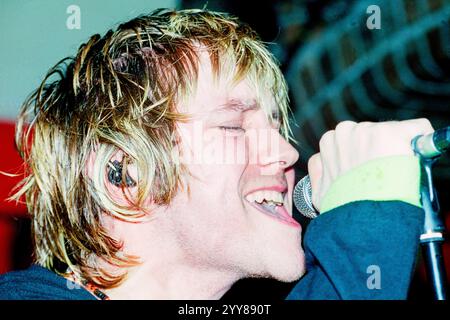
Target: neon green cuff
(383, 179)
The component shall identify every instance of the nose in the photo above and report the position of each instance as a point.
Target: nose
(274, 152)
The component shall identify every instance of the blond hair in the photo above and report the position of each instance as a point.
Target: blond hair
(120, 93)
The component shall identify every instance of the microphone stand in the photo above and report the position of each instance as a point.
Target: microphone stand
(432, 235)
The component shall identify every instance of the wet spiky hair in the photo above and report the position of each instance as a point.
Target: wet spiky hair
(120, 93)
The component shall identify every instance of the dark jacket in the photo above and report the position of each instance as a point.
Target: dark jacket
(362, 250)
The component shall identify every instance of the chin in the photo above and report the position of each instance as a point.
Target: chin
(283, 268)
(286, 262)
(290, 273)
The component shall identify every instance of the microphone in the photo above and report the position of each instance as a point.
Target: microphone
(426, 146)
(433, 144)
(302, 197)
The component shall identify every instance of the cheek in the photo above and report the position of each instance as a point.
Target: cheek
(213, 216)
(219, 164)
(211, 146)
(221, 184)
(214, 213)
(215, 174)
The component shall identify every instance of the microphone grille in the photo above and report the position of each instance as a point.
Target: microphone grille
(302, 197)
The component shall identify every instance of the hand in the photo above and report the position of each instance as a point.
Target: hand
(352, 144)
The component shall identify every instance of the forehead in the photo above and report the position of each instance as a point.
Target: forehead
(211, 92)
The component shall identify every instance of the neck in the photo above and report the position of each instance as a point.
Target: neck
(169, 268)
(173, 282)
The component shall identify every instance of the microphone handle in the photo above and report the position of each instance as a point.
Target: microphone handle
(432, 252)
(433, 144)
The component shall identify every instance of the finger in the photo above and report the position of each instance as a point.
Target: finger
(315, 171)
(419, 126)
(328, 154)
(343, 134)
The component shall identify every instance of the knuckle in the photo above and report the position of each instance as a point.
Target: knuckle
(315, 169)
(343, 131)
(365, 125)
(326, 138)
(425, 124)
(345, 125)
(417, 126)
(314, 161)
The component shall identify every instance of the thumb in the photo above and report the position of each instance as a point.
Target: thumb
(315, 170)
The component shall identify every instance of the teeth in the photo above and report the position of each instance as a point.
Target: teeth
(267, 196)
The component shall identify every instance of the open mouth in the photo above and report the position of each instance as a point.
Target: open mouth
(271, 203)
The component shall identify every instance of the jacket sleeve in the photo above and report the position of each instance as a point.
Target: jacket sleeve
(361, 250)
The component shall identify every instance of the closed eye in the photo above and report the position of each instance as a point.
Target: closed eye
(232, 129)
(226, 128)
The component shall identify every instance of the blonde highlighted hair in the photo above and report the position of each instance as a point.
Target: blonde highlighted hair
(119, 93)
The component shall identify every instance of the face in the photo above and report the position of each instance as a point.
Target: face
(236, 213)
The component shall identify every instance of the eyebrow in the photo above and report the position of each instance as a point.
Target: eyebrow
(238, 105)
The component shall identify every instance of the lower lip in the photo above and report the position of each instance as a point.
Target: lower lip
(287, 219)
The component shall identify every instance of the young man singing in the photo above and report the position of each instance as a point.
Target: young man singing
(159, 167)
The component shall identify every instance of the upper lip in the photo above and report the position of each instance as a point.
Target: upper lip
(279, 188)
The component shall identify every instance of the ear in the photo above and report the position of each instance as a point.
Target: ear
(122, 194)
(118, 175)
